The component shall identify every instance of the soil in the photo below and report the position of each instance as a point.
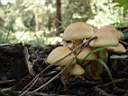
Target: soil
(15, 75)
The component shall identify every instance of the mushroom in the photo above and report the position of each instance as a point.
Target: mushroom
(76, 32)
(120, 35)
(77, 70)
(59, 53)
(81, 56)
(105, 37)
(117, 49)
(117, 33)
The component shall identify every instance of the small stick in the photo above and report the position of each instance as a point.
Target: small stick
(123, 42)
(115, 81)
(101, 92)
(33, 80)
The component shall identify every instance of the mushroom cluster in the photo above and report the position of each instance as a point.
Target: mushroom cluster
(70, 54)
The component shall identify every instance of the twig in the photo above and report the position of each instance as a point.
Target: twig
(123, 42)
(36, 93)
(44, 94)
(115, 81)
(126, 93)
(101, 92)
(8, 33)
(49, 81)
(24, 92)
(34, 79)
(7, 81)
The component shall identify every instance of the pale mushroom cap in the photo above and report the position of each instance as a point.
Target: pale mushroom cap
(105, 37)
(84, 53)
(118, 49)
(78, 31)
(58, 53)
(120, 35)
(77, 70)
(117, 33)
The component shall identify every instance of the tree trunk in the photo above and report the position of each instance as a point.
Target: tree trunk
(58, 16)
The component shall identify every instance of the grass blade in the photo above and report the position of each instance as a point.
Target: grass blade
(100, 61)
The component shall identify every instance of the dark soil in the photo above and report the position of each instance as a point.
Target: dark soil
(14, 75)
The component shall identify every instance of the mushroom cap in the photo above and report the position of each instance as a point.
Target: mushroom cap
(105, 37)
(77, 70)
(118, 49)
(78, 31)
(59, 53)
(117, 33)
(120, 35)
(84, 53)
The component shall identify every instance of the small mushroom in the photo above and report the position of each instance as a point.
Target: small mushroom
(105, 37)
(117, 49)
(59, 53)
(78, 31)
(120, 35)
(81, 56)
(77, 70)
(117, 33)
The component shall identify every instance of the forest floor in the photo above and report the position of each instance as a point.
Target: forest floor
(19, 79)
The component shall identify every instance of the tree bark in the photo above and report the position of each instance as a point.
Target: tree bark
(58, 16)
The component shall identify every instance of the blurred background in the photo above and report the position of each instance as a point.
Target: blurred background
(42, 22)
